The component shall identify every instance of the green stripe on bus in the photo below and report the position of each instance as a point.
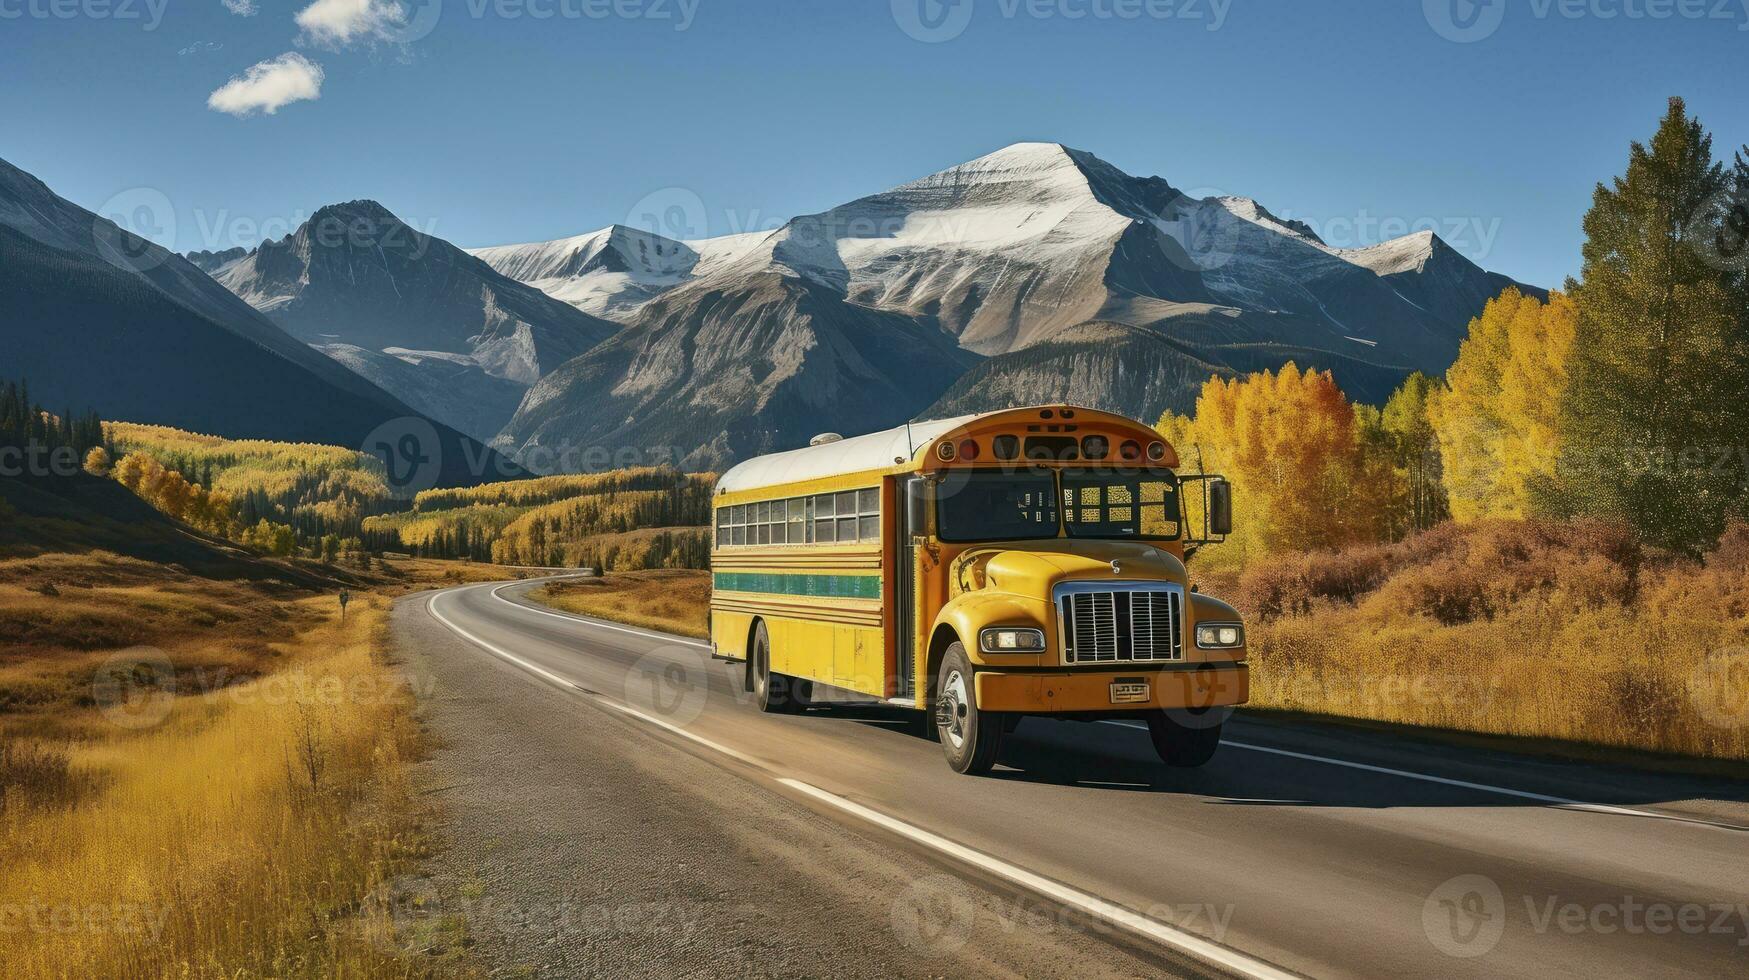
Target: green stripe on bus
(821, 586)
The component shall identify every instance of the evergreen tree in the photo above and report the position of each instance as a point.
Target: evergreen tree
(1656, 395)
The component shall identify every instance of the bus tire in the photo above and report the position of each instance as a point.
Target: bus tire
(971, 739)
(1181, 745)
(774, 693)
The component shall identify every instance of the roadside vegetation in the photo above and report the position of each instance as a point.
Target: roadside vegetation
(676, 601)
(197, 777)
(1569, 631)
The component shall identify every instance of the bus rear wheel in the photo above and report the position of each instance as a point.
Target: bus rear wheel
(774, 693)
(1185, 743)
(971, 739)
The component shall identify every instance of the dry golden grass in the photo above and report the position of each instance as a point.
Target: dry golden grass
(671, 600)
(243, 820)
(1537, 630)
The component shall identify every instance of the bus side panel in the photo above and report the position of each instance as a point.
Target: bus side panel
(801, 648)
(729, 631)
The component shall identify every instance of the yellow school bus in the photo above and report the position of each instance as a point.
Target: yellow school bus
(981, 568)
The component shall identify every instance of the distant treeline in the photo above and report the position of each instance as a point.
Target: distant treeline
(650, 517)
(316, 491)
(31, 431)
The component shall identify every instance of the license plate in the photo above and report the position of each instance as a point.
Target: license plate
(1129, 692)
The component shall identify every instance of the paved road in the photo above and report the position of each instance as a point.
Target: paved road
(1300, 849)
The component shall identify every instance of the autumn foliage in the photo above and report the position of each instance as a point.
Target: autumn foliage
(1497, 415)
(1288, 442)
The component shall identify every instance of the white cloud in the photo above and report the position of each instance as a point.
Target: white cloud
(265, 87)
(242, 8)
(345, 21)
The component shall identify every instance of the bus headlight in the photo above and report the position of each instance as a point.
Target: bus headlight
(1009, 639)
(1220, 636)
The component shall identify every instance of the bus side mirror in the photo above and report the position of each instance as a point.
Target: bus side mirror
(1220, 508)
(916, 508)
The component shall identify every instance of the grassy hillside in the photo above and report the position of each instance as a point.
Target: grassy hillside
(1568, 631)
(196, 748)
(315, 489)
(653, 517)
(650, 517)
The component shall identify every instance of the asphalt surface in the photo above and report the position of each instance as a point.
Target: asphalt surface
(615, 804)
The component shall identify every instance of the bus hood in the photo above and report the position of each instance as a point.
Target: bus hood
(1038, 567)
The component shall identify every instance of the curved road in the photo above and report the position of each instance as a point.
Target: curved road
(1300, 849)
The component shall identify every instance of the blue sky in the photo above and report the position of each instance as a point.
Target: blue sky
(501, 125)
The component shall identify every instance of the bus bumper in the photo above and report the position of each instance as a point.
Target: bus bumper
(1201, 686)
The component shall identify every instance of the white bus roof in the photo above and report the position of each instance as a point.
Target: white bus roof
(875, 451)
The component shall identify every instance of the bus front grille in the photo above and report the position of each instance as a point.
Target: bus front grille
(1121, 625)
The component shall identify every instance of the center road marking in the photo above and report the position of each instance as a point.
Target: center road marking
(1109, 912)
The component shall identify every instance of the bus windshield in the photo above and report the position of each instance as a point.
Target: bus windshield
(973, 506)
(1002, 506)
(1120, 505)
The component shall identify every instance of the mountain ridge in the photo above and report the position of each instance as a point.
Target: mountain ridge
(1041, 247)
(97, 317)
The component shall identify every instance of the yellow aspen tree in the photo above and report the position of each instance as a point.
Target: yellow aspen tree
(1495, 417)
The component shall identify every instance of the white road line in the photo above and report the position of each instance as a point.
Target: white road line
(683, 733)
(652, 634)
(1099, 908)
(431, 607)
(1556, 801)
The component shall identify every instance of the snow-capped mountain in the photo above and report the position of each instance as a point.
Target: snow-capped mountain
(355, 279)
(611, 272)
(1076, 280)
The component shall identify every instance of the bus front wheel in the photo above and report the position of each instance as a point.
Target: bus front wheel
(970, 738)
(774, 693)
(1187, 743)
